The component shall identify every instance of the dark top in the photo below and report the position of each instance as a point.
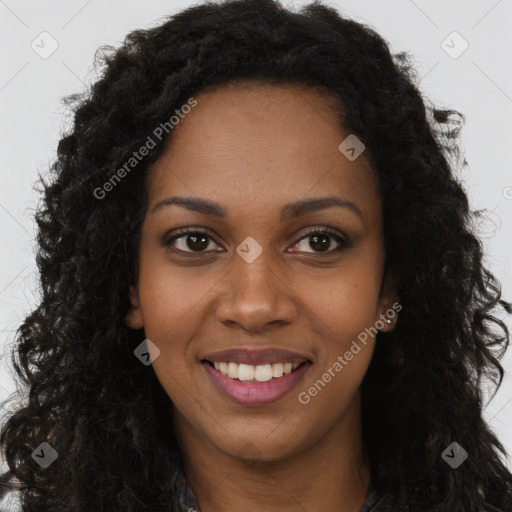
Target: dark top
(186, 500)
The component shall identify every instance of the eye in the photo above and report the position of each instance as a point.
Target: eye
(193, 239)
(321, 240)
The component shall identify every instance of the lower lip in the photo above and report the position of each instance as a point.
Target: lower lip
(256, 393)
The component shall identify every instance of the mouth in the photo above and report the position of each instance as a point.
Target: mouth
(255, 385)
(254, 373)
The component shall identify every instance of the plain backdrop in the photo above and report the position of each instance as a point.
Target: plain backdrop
(461, 52)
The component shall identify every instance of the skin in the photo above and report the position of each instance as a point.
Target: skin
(252, 149)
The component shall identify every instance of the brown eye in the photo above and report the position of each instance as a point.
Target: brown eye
(321, 241)
(190, 240)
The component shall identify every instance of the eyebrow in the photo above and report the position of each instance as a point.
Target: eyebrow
(289, 211)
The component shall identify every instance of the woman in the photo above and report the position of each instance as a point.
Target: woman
(261, 289)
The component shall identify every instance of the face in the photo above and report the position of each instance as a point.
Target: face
(254, 276)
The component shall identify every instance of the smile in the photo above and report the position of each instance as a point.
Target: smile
(255, 385)
(255, 373)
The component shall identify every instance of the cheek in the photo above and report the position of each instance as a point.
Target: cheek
(344, 318)
(172, 305)
(171, 297)
(171, 316)
(347, 300)
(346, 325)
(344, 312)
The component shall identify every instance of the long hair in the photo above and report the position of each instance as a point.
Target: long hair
(107, 416)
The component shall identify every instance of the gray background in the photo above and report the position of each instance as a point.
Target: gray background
(476, 82)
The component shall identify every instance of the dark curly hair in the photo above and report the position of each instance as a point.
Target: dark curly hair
(107, 415)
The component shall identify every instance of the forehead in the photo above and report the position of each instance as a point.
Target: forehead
(276, 142)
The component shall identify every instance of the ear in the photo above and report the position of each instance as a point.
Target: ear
(389, 305)
(133, 318)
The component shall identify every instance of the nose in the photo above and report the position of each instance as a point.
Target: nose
(254, 297)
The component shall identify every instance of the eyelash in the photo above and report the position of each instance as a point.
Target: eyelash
(344, 243)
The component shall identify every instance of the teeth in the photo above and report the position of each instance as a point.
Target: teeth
(233, 370)
(245, 372)
(263, 373)
(259, 373)
(277, 370)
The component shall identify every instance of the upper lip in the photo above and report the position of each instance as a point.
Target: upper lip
(256, 357)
